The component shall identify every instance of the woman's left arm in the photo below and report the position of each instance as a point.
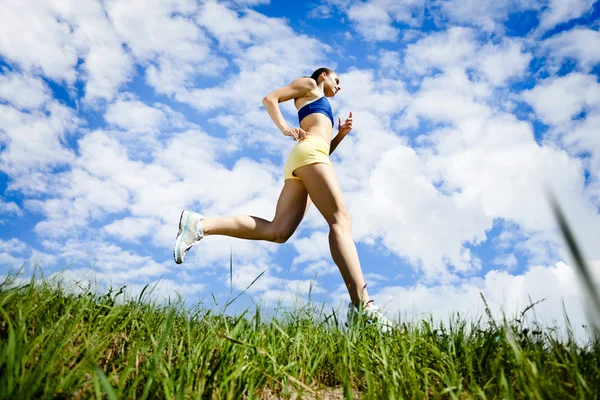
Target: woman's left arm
(343, 130)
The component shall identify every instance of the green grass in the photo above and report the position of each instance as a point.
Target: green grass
(57, 344)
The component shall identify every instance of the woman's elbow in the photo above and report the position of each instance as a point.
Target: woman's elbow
(268, 99)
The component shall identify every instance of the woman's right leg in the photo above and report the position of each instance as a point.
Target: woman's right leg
(291, 207)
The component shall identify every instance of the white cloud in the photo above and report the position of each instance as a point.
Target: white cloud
(10, 208)
(48, 49)
(270, 289)
(374, 19)
(452, 48)
(80, 279)
(110, 262)
(322, 11)
(268, 53)
(33, 140)
(504, 293)
(104, 180)
(83, 198)
(509, 261)
(450, 98)
(23, 90)
(104, 158)
(234, 31)
(10, 260)
(169, 76)
(106, 65)
(131, 229)
(411, 217)
(379, 98)
(557, 100)
(473, 163)
(245, 274)
(296, 294)
(142, 129)
(414, 220)
(206, 181)
(167, 289)
(389, 60)
(250, 2)
(320, 268)
(269, 64)
(312, 248)
(65, 31)
(163, 36)
(153, 28)
(488, 15)
(458, 48)
(499, 157)
(12, 252)
(134, 116)
(501, 62)
(560, 11)
(373, 22)
(84, 193)
(570, 105)
(583, 138)
(43, 260)
(580, 44)
(33, 128)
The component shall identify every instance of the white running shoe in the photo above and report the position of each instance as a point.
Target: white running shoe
(372, 315)
(190, 233)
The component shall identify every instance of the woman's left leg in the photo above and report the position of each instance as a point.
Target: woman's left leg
(292, 205)
(324, 189)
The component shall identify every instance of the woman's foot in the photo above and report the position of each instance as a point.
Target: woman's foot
(190, 233)
(371, 314)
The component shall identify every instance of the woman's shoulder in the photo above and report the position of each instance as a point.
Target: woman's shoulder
(307, 86)
(306, 82)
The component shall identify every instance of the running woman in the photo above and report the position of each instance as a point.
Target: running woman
(308, 176)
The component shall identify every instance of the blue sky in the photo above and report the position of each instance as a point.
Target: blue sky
(116, 115)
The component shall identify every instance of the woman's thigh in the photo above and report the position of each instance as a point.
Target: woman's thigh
(323, 187)
(291, 207)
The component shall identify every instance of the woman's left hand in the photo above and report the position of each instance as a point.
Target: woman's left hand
(346, 126)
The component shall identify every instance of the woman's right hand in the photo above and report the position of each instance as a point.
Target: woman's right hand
(296, 133)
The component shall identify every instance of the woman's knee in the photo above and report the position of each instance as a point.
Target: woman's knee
(278, 234)
(340, 220)
(282, 237)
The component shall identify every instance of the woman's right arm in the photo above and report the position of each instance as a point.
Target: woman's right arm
(299, 88)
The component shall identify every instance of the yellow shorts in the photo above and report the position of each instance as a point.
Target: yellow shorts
(310, 150)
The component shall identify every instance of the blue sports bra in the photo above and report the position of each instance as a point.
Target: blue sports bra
(320, 105)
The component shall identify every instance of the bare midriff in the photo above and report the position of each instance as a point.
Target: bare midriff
(318, 124)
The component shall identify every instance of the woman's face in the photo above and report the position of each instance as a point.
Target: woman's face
(331, 84)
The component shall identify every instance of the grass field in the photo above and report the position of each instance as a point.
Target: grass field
(57, 344)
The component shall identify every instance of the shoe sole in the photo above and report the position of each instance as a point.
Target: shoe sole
(179, 237)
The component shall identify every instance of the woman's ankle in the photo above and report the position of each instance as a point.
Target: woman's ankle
(364, 304)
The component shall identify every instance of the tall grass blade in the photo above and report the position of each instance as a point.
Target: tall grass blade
(108, 389)
(580, 264)
(244, 291)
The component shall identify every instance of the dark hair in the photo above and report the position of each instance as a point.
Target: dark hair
(315, 75)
